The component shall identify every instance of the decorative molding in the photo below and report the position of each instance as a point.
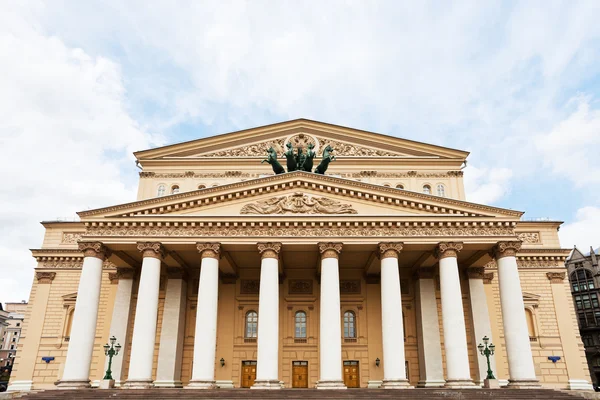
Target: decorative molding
(71, 237)
(300, 286)
(94, 249)
(475, 273)
(45, 277)
(269, 249)
(151, 249)
(350, 287)
(529, 237)
(330, 249)
(556, 277)
(506, 249)
(249, 286)
(302, 140)
(397, 175)
(209, 250)
(354, 150)
(448, 249)
(249, 150)
(304, 229)
(535, 262)
(198, 175)
(298, 203)
(488, 277)
(113, 277)
(389, 249)
(66, 262)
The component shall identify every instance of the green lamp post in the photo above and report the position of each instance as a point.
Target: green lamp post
(111, 351)
(487, 351)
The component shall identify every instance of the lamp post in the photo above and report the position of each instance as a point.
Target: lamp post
(111, 351)
(487, 351)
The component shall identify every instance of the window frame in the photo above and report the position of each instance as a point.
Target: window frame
(251, 325)
(426, 189)
(442, 192)
(301, 324)
(350, 330)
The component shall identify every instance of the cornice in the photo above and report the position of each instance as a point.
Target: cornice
(299, 180)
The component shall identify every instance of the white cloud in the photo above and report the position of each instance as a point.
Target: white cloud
(65, 135)
(486, 185)
(584, 231)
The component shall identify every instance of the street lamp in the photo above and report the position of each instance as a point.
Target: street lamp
(487, 351)
(111, 351)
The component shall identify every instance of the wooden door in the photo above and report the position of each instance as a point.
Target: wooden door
(351, 376)
(300, 374)
(248, 373)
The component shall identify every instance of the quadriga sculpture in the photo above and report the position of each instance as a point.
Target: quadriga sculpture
(272, 159)
(327, 158)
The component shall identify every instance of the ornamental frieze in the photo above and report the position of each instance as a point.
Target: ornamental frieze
(300, 286)
(309, 231)
(70, 237)
(67, 263)
(249, 286)
(191, 174)
(298, 203)
(253, 150)
(353, 150)
(350, 286)
(529, 237)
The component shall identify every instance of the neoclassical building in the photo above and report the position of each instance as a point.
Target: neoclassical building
(377, 273)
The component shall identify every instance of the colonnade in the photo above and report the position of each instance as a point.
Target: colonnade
(77, 368)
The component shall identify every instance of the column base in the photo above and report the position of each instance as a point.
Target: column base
(20, 386)
(266, 384)
(224, 384)
(374, 384)
(491, 384)
(431, 383)
(138, 384)
(331, 385)
(460, 384)
(200, 384)
(168, 384)
(580, 384)
(73, 384)
(524, 384)
(106, 384)
(396, 384)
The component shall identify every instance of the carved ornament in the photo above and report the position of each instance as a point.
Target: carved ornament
(354, 150)
(488, 277)
(330, 249)
(448, 249)
(209, 250)
(249, 286)
(556, 277)
(45, 277)
(350, 286)
(252, 150)
(476, 272)
(71, 237)
(151, 249)
(300, 286)
(113, 277)
(390, 249)
(298, 203)
(529, 237)
(269, 249)
(302, 140)
(94, 249)
(506, 249)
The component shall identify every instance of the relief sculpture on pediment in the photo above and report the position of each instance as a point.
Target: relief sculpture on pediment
(298, 203)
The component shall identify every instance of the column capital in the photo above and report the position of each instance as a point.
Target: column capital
(475, 273)
(448, 249)
(269, 249)
(506, 249)
(151, 249)
(488, 277)
(209, 250)
(389, 249)
(45, 277)
(94, 249)
(556, 277)
(113, 277)
(330, 249)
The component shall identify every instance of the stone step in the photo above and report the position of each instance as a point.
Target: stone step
(299, 394)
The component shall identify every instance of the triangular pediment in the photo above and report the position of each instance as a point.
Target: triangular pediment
(299, 194)
(347, 142)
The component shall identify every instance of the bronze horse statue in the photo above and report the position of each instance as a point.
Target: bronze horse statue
(308, 160)
(327, 158)
(291, 160)
(272, 159)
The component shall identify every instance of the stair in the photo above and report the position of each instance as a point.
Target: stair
(299, 394)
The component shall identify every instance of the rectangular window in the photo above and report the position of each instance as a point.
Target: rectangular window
(587, 340)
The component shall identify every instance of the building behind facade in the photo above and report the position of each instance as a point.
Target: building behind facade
(584, 276)
(225, 274)
(10, 333)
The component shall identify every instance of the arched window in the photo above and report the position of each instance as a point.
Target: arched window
(586, 298)
(300, 325)
(251, 324)
(426, 189)
(174, 189)
(201, 186)
(530, 325)
(386, 185)
(399, 186)
(161, 190)
(215, 185)
(441, 190)
(349, 325)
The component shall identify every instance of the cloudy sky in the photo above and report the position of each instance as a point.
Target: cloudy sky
(84, 84)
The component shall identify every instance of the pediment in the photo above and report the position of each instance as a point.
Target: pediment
(346, 142)
(297, 194)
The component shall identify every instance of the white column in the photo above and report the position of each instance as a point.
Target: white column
(516, 335)
(330, 335)
(267, 363)
(83, 331)
(481, 320)
(170, 352)
(453, 318)
(146, 313)
(119, 325)
(205, 339)
(430, 347)
(394, 368)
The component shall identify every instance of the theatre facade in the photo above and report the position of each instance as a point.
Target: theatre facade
(374, 271)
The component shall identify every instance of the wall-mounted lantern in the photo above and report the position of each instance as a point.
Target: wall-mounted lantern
(222, 362)
(377, 362)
